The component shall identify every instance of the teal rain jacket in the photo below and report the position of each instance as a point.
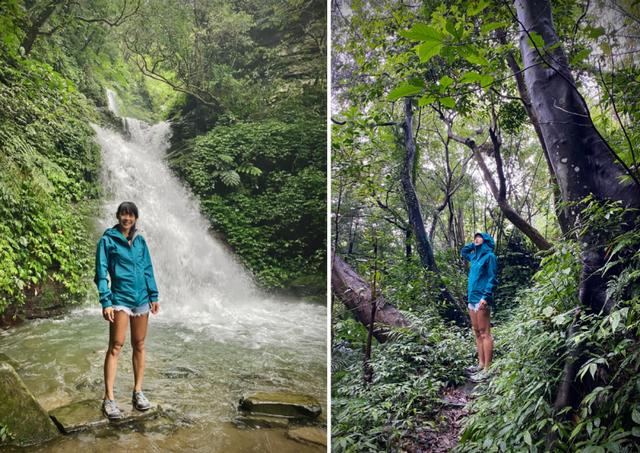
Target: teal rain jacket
(129, 269)
(483, 274)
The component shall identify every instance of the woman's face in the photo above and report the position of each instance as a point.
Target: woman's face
(126, 220)
(478, 240)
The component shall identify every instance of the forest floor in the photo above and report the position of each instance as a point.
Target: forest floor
(448, 423)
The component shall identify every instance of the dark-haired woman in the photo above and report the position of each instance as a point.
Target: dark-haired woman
(481, 285)
(123, 255)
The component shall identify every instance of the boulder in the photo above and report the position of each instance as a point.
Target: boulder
(26, 421)
(280, 404)
(87, 414)
(309, 435)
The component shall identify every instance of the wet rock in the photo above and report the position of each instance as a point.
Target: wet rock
(309, 435)
(261, 421)
(87, 414)
(27, 422)
(181, 372)
(280, 404)
(6, 359)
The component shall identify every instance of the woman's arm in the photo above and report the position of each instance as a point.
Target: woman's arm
(102, 271)
(152, 288)
(465, 252)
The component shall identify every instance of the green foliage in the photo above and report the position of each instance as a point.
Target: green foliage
(516, 412)
(515, 407)
(409, 373)
(48, 177)
(263, 186)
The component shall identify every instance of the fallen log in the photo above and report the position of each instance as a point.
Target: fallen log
(355, 294)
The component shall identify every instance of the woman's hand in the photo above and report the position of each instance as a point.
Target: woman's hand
(155, 307)
(108, 314)
(483, 304)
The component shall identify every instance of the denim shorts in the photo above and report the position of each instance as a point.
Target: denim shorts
(476, 307)
(135, 311)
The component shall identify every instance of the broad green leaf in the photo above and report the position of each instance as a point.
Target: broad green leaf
(445, 81)
(428, 50)
(470, 77)
(578, 57)
(448, 102)
(486, 80)
(488, 27)
(453, 31)
(426, 100)
(527, 438)
(404, 89)
(422, 32)
(477, 8)
(535, 40)
(474, 58)
(635, 416)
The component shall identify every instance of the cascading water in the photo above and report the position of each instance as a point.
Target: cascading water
(217, 335)
(201, 283)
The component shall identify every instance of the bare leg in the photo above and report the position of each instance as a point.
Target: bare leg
(117, 335)
(484, 325)
(474, 324)
(138, 334)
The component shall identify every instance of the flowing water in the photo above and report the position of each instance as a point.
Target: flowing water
(216, 337)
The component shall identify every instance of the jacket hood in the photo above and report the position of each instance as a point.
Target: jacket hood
(488, 245)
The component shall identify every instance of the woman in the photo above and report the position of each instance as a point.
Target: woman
(122, 254)
(480, 287)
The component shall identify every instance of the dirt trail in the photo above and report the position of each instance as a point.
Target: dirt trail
(450, 419)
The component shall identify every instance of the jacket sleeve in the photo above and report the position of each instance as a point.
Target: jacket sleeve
(152, 288)
(102, 271)
(465, 252)
(492, 271)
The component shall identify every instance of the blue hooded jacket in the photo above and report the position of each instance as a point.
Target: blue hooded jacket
(484, 270)
(129, 268)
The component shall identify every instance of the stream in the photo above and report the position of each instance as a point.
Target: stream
(216, 337)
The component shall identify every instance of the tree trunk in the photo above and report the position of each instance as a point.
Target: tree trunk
(355, 294)
(413, 206)
(582, 160)
(423, 245)
(36, 25)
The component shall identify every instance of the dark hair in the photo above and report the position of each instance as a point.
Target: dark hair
(128, 207)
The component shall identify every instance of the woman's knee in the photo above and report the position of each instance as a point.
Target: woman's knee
(137, 344)
(115, 346)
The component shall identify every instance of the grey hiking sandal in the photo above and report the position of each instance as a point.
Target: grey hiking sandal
(110, 410)
(140, 402)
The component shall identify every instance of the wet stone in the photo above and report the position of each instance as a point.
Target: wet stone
(181, 372)
(260, 421)
(309, 435)
(280, 404)
(25, 419)
(87, 414)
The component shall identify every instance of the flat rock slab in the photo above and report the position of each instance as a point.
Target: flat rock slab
(87, 414)
(261, 421)
(289, 405)
(27, 422)
(309, 434)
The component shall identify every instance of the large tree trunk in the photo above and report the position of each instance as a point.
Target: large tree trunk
(582, 160)
(355, 294)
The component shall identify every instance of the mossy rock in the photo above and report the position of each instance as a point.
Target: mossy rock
(20, 413)
(280, 404)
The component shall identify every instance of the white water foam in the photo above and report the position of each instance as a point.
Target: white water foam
(201, 284)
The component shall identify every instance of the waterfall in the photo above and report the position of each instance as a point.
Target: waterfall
(201, 283)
